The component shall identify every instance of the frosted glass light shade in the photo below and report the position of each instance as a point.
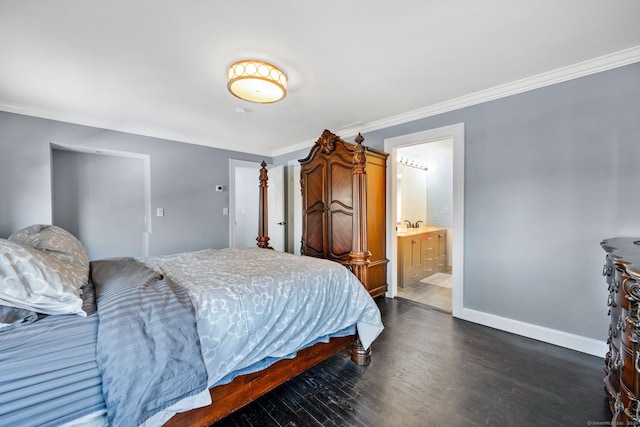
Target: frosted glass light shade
(257, 81)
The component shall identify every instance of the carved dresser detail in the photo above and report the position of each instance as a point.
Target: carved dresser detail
(622, 362)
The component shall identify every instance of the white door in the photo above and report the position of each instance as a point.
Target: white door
(244, 201)
(277, 219)
(295, 208)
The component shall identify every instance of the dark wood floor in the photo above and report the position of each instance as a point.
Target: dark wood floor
(429, 369)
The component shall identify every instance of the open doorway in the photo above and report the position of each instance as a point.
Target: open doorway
(103, 198)
(424, 227)
(424, 253)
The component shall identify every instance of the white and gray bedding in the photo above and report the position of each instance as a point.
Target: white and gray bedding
(145, 321)
(253, 303)
(48, 371)
(13, 317)
(251, 306)
(35, 281)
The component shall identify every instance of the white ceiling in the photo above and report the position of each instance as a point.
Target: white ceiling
(158, 67)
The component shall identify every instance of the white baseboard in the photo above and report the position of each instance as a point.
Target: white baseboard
(540, 333)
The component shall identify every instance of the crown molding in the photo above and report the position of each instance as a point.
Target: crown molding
(82, 120)
(592, 66)
(596, 65)
(295, 147)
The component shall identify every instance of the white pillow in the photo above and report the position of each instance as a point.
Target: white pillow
(33, 280)
(59, 243)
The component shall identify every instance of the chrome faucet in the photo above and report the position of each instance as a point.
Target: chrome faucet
(412, 225)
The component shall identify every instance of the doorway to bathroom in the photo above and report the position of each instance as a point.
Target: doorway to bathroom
(424, 225)
(426, 214)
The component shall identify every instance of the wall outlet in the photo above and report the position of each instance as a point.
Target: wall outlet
(160, 212)
(219, 187)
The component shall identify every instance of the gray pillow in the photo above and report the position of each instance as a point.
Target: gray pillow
(58, 243)
(12, 317)
(34, 280)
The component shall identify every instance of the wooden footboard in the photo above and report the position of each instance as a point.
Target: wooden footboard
(246, 388)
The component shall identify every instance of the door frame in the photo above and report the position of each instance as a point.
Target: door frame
(455, 132)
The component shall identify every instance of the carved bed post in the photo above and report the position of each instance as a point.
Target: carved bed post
(359, 355)
(359, 252)
(263, 209)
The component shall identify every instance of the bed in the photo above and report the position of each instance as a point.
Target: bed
(179, 340)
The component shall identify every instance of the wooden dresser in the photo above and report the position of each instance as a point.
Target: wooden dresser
(344, 207)
(622, 362)
(421, 253)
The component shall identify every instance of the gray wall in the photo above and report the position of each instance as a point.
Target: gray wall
(183, 179)
(548, 175)
(100, 199)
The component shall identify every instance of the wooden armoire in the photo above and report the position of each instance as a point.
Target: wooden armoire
(344, 207)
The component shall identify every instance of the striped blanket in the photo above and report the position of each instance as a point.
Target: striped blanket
(145, 320)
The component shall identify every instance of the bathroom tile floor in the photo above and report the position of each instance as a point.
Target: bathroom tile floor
(435, 296)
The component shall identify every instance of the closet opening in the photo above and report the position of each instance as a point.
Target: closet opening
(103, 197)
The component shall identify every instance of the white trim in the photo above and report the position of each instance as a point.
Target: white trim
(540, 333)
(585, 68)
(603, 63)
(455, 132)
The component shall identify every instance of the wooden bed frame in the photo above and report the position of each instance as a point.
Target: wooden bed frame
(246, 388)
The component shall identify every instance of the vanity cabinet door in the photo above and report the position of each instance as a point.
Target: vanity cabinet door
(409, 261)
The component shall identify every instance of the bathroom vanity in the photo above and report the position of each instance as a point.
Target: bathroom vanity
(421, 252)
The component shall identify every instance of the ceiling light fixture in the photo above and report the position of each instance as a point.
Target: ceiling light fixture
(257, 81)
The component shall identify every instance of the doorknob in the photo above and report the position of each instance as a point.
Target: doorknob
(282, 223)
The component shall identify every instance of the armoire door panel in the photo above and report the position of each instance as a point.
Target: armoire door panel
(341, 234)
(340, 181)
(315, 186)
(314, 233)
(337, 205)
(317, 206)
